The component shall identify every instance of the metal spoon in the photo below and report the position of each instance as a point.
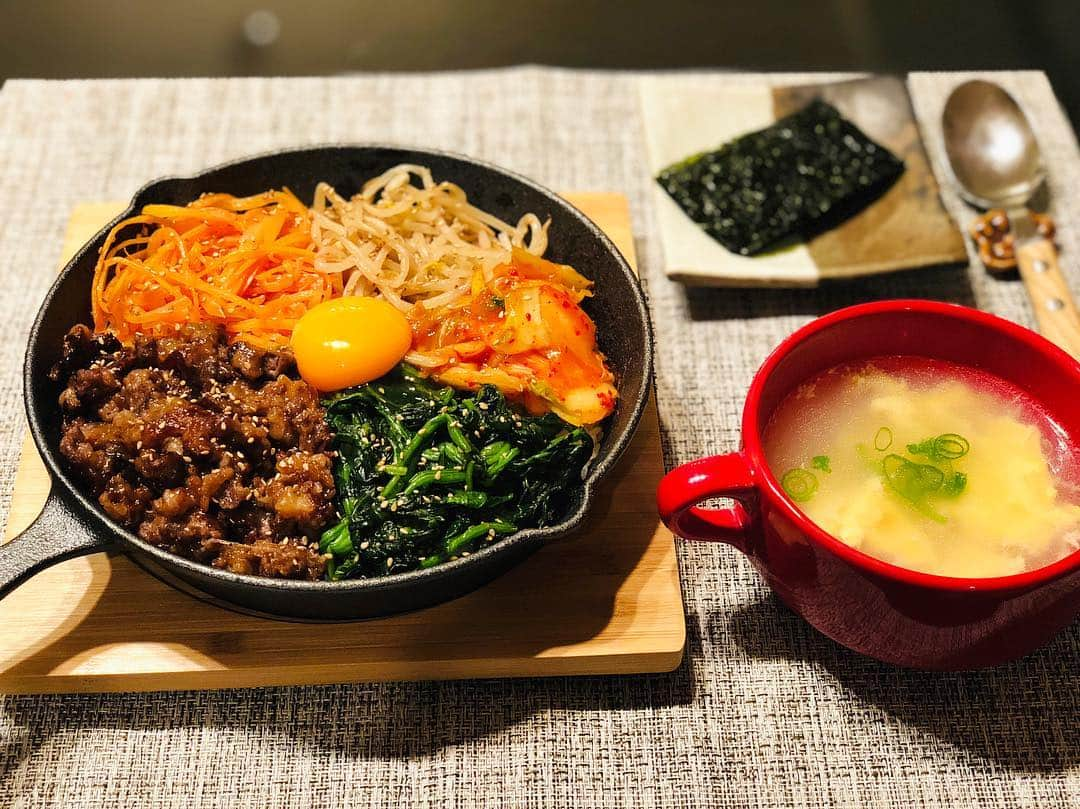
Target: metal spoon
(996, 162)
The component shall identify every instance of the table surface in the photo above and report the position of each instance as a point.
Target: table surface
(763, 712)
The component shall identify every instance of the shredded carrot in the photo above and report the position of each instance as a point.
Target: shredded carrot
(247, 263)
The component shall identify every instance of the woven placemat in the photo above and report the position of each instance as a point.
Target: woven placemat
(764, 712)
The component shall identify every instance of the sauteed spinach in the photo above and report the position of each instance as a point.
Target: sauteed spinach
(426, 473)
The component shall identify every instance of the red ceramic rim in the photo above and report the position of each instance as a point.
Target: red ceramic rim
(772, 489)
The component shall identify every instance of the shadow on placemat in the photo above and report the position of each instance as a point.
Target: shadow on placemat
(361, 721)
(1021, 715)
(949, 284)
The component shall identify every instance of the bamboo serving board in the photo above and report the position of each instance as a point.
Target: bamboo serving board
(605, 600)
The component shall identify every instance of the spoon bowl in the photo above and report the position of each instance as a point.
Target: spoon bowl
(991, 146)
(996, 163)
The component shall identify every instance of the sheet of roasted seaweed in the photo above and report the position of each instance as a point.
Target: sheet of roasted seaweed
(800, 176)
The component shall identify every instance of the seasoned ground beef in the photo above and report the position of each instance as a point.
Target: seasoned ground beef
(212, 451)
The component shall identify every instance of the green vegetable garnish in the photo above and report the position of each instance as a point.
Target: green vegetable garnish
(917, 482)
(945, 447)
(800, 484)
(425, 473)
(913, 482)
(883, 439)
(821, 462)
(951, 446)
(954, 485)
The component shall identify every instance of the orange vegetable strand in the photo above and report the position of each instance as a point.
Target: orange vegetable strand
(247, 263)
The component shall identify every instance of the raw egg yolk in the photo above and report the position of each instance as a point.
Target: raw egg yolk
(349, 341)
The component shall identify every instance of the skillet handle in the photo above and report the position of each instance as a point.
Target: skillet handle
(58, 533)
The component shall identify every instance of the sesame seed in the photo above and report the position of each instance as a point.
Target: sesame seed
(390, 561)
(438, 475)
(365, 545)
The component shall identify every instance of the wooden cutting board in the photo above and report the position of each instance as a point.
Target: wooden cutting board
(605, 600)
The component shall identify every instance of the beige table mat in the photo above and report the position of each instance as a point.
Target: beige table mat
(763, 713)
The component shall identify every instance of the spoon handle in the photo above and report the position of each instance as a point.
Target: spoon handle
(1055, 311)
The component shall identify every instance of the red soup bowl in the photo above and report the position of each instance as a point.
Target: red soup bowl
(896, 615)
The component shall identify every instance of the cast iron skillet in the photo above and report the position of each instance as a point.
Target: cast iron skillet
(71, 524)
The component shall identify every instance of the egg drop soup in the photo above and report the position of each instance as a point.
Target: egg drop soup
(930, 466)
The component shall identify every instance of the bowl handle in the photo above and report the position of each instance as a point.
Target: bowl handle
(58, 533)
(684, 488)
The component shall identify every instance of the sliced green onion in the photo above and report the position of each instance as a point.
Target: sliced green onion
(922, 448)
(945, 447)
(883, 439)
(955, 485)
(821, 462)
(930, 477)
(951, 446)
(799, 484)
(913, 482)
